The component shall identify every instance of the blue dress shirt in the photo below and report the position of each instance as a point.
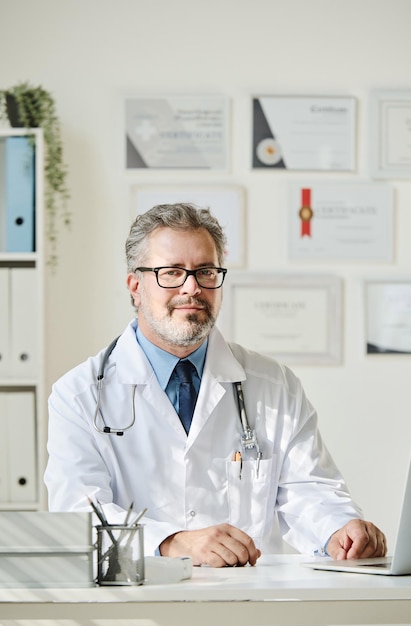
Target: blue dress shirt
(163, 364)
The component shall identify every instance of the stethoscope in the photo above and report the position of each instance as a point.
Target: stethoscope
(249, 439)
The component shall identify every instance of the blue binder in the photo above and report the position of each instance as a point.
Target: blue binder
(2, 194)
(20, 195)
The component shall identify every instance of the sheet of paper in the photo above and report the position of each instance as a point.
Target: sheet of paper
(341, 222)
(188, 132)
(388, 313)
(227, 203)
(304, 133)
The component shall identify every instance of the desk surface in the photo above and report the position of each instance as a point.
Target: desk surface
(276, 591)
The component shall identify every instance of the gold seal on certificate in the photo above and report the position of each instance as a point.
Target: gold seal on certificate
(306, 213)
(269, 152)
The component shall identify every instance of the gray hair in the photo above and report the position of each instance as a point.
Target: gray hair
(177, 216)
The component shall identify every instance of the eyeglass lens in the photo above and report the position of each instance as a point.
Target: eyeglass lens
(208, 277)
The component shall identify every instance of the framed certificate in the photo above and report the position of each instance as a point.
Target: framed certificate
(226, 202)
(341, 221)
(388, 316)
(304, 133)
(293, 318)
(390, 134)
(177, 132)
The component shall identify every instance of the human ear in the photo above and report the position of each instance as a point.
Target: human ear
(133, 284)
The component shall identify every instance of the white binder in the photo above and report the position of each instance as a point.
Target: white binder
(17, 447)
(23, 337)
(4, 470)
(22, 440)
(18, 482)
(4, 322)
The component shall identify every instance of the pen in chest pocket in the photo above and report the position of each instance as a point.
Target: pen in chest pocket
(238, 458)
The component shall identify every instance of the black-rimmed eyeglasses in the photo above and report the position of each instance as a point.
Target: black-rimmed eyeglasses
(173, 277)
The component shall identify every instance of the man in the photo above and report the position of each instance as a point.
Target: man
(208, 494)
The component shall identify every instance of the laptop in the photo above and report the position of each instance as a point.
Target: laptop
(396, 565)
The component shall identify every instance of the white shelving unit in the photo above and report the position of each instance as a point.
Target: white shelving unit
(23, 416)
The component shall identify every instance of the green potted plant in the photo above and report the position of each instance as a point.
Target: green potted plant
(33, 107)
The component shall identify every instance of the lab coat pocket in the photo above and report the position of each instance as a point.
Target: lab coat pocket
(250, 494)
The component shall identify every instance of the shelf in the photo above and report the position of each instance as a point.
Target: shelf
(19, 506)
(18, 259)
(7, 131)
(14, 383)
(23, 405)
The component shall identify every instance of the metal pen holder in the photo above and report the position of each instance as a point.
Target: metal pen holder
(120, 555)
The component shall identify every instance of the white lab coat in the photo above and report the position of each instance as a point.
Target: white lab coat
(191, 482)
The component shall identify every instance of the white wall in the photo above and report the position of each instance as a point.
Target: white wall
(90, 53)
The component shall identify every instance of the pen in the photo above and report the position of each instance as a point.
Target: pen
(100, 508)
(130, 508)
(139, 516)
(238, 458)
(131, 526)
(125, 523)
(134, 526)
(259, 457)
(102, 519)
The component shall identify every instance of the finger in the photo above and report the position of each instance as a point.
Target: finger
(225, 553)
(368, 542)
(231, 551)
(383, 545)
(214, 559)
(377, 545)
(361, 548)
(244, 546)
(338, 545)
(234, 546)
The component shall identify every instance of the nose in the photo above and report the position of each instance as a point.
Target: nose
(190, 285)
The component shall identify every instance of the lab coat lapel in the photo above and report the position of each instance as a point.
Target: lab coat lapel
(221, 369)
(161, 405)
(133, 368)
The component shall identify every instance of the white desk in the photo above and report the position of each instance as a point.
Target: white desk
(277, 591)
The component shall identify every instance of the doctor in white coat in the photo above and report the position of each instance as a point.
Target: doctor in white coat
(120, 440)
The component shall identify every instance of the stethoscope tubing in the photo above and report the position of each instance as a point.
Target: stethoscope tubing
(248, 439)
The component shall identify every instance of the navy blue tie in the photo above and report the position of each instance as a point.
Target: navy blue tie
(187, 395)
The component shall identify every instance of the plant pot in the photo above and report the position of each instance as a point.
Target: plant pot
(13, 113)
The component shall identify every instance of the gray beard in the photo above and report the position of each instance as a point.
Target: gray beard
(184, 335)
(190, 334)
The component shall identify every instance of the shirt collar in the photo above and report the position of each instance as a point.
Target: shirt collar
(163, 363)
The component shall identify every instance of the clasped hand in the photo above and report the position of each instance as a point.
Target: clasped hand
(217, 546)
(357, 540)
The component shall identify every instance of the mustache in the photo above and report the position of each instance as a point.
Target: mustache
(190, 301)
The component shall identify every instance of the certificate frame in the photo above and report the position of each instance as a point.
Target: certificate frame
(387, 316)
(341, 221)
(177, 132)
(305, 312)
(226, 202)
(390, 134)
(304, 132)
